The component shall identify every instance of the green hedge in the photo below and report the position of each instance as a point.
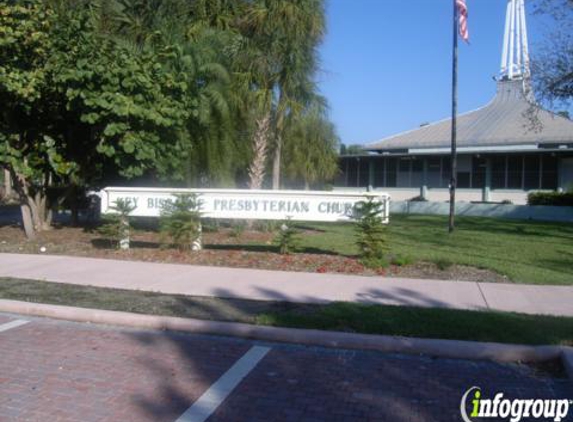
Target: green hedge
(564, 199)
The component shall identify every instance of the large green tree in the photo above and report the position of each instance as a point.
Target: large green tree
(203, 91)
(203, 43)
(75, 101)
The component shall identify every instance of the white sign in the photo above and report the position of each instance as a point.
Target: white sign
(249, 204)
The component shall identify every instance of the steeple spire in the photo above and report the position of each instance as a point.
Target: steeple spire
(515, 54)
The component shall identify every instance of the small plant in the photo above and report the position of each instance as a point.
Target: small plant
(210, 225)
(371, 236)
(375, 263)
(443, 264)
(267, 226)
(287, 238)
(181, 222)
(237, 229)
(401, 260)
(117, 227)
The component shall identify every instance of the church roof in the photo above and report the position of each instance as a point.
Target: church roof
(510, 119)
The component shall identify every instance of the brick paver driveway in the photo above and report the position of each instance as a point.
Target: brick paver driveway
(54, 371)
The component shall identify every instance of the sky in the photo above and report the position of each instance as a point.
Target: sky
(386, 65)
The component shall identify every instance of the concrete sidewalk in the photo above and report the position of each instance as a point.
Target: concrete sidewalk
(288, 286)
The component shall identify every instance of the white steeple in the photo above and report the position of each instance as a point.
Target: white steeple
(515, 54)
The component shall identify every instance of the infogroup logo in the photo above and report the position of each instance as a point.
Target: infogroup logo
(513, 410)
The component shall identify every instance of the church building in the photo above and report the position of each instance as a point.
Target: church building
(505, 149)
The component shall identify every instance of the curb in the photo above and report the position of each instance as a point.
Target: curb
(453, 349)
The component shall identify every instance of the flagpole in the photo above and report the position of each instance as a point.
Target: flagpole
(453, 160)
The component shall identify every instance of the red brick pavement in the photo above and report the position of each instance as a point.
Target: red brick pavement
(311, 385)
(54, 371)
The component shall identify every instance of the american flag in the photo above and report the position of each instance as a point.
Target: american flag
(463, 14)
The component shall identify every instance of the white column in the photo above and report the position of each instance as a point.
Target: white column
(515, 52)
(518, 38)
(524, 42)
(511, 40)
(505, 51)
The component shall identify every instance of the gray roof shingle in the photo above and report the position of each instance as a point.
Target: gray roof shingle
(506, 120)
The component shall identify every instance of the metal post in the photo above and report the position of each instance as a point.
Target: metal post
(453, 176)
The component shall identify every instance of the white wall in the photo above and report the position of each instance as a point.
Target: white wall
(516, 197)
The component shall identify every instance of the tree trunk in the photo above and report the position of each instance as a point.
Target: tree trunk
(277, 163)
(7, 184)
(28, 222)
(36, 215)
(306, 184)
(260, 145)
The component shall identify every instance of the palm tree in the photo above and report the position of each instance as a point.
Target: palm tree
(288, 32)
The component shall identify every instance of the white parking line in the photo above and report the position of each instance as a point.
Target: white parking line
(218, 392)
(12, 324)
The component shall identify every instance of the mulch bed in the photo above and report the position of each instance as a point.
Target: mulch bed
(225, 247)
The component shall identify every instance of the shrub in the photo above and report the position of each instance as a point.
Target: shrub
(267, 226)
(181, 221)
(287, 238)
(371, 236)
(117, 227)
(401, 260)
(418, 198)
(375, 263)
(443, 263)
(210, 225)
(237, 229)
(562, 199)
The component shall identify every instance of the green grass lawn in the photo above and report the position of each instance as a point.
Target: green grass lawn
(347, 317)
(526, 252)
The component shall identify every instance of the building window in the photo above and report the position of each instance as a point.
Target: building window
(446, 171)
(498, 163)
(479, 166)
(364, 171)
(434, 172)
(463, 179)
(404, 168)
(391, 172)
(352, 172)
(379, 172)
(342, 174)
(531, 172)
(514, 171)
(549, 178)
(417, 177)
